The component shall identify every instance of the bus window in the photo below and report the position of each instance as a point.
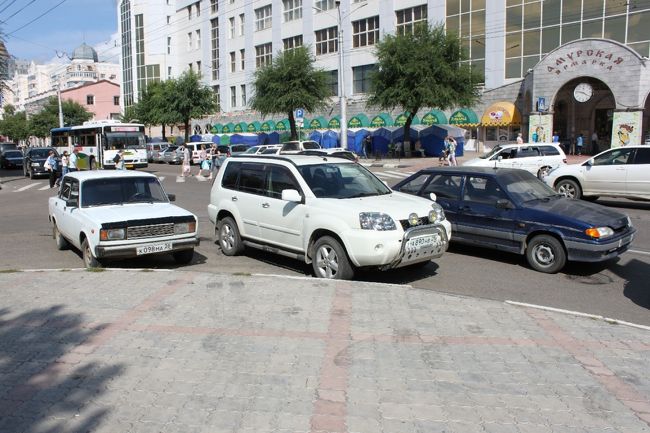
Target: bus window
(121, 140)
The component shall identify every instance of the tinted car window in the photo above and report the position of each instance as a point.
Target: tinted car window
(482, 190)
(40, 153)
(13, 154)
(642, 156)
(251, 178)
(310, 145)
(280, 178)
(290, 146)
(445, 186)
(414, 185)
(549, 150)
(525, 152)
(614, 157)
(230, 176)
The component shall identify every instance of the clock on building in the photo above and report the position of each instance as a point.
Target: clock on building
(583, 92)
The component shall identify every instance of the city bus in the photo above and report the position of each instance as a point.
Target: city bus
(98, 142)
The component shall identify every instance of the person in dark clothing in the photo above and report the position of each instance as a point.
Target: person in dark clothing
(367, 150)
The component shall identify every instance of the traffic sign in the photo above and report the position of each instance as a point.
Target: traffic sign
(300, 113)
(299, 122)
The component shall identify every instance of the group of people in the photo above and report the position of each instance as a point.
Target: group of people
(68, 163)
(210, 160)
(449, 152)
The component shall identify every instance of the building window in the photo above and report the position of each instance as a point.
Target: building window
(292, 10)
(263, 55)
(189, 12)
(189, 41)
(233, 62)
(407, 19)
(217, 95)
(198, 67)
(242, 22)
(263, 18)
(333, 82)
(361, 78)
(233, 96)
(231, 28)
(90, 99)
(467, 19)
(198, 39)
(365, 32)
(169, 19)
(169, 44)
(198, 8)
(116, 100)
(242, 59)
(169, 72)
(327, 41)
(292, 43)
(243, 95)
(214, 48)
(214, 6)
(323, 5)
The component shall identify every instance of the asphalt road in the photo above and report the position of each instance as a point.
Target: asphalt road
(618, 289)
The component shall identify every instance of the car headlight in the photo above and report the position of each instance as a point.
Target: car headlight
(36, 164)
(376, 221)
(599, 232)
(436, 214)
(182, 228)
(112, 234)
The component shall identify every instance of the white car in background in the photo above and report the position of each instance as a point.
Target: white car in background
(619, 172)
(537, 158)
(256, 150)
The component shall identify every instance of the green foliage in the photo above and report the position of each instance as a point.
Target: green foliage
(186, 98)
(291, 81)
(14, 124)
(42, 122)
(426, 68)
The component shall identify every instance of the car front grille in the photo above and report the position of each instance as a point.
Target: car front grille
(150, 231)
(421, 221)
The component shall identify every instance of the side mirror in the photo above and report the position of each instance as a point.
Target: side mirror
(291, 195)
(71, 202)
(433, 196)
(499, 158)
(171, 197)
(504, 203)
(589, 162)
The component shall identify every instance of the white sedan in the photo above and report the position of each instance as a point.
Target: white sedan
(120, 214)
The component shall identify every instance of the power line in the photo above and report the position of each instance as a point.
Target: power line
(19, 10)
(8, 6)
(37, 18)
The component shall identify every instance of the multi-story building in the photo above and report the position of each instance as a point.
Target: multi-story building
(565, 66)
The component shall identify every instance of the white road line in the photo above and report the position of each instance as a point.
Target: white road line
(43, 188)
(31, 185)
(180, 178)
(201, 178)
(383, 173)
(399, 173)
(646, 253)
(161, 178)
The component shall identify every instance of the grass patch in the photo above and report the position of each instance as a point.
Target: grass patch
(9, 271)
(95, 269)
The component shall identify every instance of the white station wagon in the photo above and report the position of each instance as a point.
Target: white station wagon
(537, 158)
(324, 210)
(120, 214)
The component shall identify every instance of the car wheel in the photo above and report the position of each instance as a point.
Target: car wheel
(89, 259)
(61, 242)
(569, 188)
(542, 172)
(330, 260)
(229, 238)
(545, 254)
(183, 257)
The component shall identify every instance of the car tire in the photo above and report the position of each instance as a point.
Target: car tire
(545, 253)
(543, 171)
(61, 242)
(569, 188)
(90, 260)
(229, 237)
(183, 257)
(330, 260)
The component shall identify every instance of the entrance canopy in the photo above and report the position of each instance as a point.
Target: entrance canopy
(501, 114)
(464, 118)
(434, 117)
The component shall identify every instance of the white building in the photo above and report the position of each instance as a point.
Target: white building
(514, 42)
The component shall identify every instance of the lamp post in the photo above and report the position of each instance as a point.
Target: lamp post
(58, 92)
(342, 101)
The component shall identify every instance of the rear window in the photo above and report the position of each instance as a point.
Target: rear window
(549, 150)
(310, 145)
(13, 154)
(230, 176)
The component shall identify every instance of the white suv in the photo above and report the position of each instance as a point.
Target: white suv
(537, 158)
(330, 212)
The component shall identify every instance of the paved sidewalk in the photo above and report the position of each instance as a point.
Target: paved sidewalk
(138, 351)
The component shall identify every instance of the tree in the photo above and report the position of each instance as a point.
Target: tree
(288, 83)
(426, 68)
(48, 118)
(153, 105)
(14, 124)
(188, 99)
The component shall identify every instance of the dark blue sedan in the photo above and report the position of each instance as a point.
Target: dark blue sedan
(511, 210)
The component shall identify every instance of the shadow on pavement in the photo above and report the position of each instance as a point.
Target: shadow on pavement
(40, 389)
(635, 273)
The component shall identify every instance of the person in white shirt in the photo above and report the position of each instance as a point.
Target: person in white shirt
(520, 139)
(72, 163)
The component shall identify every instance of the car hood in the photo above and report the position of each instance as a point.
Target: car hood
(475, 162)
(133, 211)
(592, 214)
(398, 205)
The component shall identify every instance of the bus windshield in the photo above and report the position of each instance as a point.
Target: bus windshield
(125, 140)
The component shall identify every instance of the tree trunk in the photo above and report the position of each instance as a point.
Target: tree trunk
(292, 126)
(407, 137)
(163, 132)
(186, 123)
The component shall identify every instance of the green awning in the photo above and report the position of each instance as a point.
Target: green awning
(434, 117)
(268, 126)
(224, 139)
(400, 120)
(464, 118)
(241, 127)
(283, 125)
(317, 123)
(216, 129)
(382, 119)
(358, 121)
(228, 128)
(254, 126)
(334, 123)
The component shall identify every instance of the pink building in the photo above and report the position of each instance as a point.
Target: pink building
(101, 98)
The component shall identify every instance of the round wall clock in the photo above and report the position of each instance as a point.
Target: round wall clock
(583, 92)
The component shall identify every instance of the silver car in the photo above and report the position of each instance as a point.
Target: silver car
(172, 155)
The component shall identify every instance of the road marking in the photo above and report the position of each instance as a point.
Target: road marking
(161, 178)
(398, 173)
(43, 188)
(646, 253)
(383, 173)
(180, 178)
(31, 185)
(201, 178)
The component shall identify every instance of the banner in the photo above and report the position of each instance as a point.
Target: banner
(626, 128)
(540, 128)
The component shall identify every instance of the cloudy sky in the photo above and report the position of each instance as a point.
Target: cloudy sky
(42, 30)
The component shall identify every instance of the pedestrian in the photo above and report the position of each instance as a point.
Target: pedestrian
(367, 146)
(50, 165)
(451, 150)
(579, 143)
(594, 143)
(119, 160)
(214, 155)
(520, 138)
(204, 163)
(65, 161)
(556, 137)
(185, 170)
(72, 163)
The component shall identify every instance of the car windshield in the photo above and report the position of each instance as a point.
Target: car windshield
(13, 154)
(523, 186)
(253, 149)
(170, 148)
(270, 151)
(111, 191)
(310, 145)
(342, 180)
(494, 151)
(39, 153)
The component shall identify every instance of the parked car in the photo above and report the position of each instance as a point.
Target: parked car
(511, 210)
(298, 146)
(157, 156)
(618, 172)
(333, 151)
(4, 146)
(237, 149)
(537, 158)
(172, 155)
(11, 159)
(34, 160)
(332, 213)
(153, 151)
(256, 150)
(120, 214)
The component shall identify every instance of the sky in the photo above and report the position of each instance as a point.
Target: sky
(58, 32)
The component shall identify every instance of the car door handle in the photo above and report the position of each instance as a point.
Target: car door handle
(265, 205)
(233, 198)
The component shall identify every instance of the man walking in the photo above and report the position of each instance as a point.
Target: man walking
(594, 143)
(579, 143)
(73, 160)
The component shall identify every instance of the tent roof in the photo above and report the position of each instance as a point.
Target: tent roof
(400, 120)
(382, 119)
(358, 121)
(434, 117)
(464, 117)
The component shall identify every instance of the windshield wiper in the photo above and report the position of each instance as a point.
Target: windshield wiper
(363, 194)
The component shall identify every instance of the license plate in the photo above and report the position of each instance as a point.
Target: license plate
(420, 241)
(153, 248)
(128, 165)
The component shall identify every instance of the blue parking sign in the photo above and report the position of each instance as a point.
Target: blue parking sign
(300, 113)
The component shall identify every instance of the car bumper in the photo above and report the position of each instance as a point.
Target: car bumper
(589, 252)
(130, 250)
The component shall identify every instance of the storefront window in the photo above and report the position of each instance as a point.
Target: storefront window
(642, 48)
(467, 18)
(513, 19)
(570, 32)
(592, 29)
(551, 13)
(592, 9)
(513, 68)
(615, 28)
(531, 42)
(550, 39)
(532, 15)
(571, 10)
(637, 27)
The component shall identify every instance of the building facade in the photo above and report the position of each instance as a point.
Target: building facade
(534, 54)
